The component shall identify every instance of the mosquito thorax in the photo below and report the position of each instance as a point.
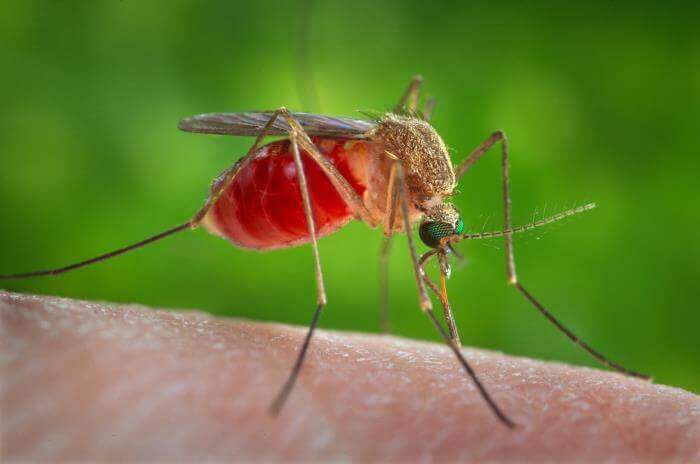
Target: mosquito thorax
(423, 155)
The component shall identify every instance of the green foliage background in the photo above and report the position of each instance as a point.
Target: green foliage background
(601, 103)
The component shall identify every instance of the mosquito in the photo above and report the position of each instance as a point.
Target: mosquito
(392, 171)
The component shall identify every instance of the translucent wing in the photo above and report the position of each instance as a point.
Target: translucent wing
(251, 124)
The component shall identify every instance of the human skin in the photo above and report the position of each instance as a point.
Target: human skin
(88, 381)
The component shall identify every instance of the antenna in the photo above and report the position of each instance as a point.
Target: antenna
(530, 226)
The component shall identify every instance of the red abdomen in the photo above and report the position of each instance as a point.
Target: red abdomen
(262, 207)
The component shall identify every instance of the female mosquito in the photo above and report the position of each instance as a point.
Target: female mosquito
(392, 172)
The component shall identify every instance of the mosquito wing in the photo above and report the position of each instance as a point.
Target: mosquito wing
(251, 123)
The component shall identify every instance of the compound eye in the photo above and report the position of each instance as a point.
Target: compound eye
(432, 232)
(459, 226)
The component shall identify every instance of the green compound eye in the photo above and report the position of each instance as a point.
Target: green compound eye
(432, 232)
(460, 226)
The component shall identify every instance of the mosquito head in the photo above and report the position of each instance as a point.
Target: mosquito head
(440, 222)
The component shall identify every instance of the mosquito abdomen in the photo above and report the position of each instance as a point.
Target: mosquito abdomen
(262, 207)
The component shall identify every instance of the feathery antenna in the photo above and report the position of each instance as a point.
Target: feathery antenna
(530, 226)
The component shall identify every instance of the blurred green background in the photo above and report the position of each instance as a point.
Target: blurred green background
(601, 103)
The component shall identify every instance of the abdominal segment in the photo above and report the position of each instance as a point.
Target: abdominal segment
(262, 207)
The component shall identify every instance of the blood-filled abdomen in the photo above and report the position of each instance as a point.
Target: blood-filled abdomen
(262, 207)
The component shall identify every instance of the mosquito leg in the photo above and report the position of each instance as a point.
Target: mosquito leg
(224, 180)
(409, 100)
(218, 186)
(97, 259)
(596, 354)
(455, 347)
(384, 311)
(477, 153)
(425, 302)
(388, 226)
(428, 109)
(299, 138)
(510, 257)
(462, 360)
(446, 307)
(352, 199)
(441, 293)
(392, 199)
(341, 184)
(321, 291)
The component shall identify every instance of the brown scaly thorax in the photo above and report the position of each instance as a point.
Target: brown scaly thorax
(429, 172)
